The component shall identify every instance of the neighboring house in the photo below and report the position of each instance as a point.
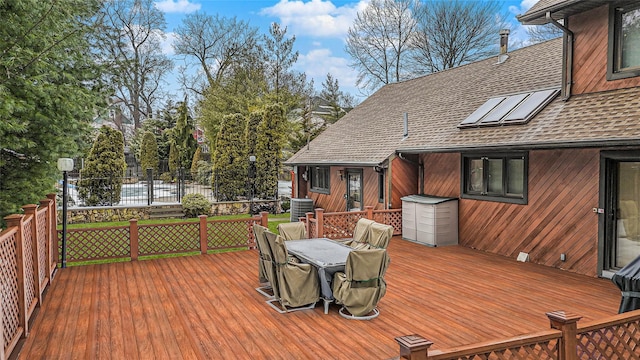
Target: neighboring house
(538, 167)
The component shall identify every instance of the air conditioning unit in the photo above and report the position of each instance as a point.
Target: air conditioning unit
(299, 207)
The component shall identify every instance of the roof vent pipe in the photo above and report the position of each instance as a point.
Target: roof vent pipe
(504, 45)
(406, 125)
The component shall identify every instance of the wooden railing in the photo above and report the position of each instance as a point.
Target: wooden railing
(28, 257)
(616, 337)
(340, 225)
(134, 240)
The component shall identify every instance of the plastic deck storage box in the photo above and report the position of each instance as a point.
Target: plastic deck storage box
(430, 220)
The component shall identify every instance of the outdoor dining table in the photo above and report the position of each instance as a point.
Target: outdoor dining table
(326, 255)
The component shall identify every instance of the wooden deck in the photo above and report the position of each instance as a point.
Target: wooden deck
(205, 307)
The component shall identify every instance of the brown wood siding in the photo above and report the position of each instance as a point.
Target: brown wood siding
(591, 30)
(563, 190)
(335, 200)
(404, 181)
(442, 174)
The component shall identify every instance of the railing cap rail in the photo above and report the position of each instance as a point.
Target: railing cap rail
(489, 346)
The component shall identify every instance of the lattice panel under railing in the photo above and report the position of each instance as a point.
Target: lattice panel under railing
(96, 244)
(538, 351)
(615, 342)
(168, 238)
(390, 217)
(43, 241)
(224, 234)
(313, 224)
(341, 225)
(9, 287)
(27, 241)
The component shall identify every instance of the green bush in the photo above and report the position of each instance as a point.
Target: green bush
(285, 205)
(166, 177)
(203, 173)
(195, 204)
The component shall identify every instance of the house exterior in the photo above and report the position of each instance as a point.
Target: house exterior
(541, 147)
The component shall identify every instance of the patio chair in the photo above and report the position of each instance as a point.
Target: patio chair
(380, 235)
(361, 234)
(264, 260)
(362, 285)
(295, 285)
(293, 231)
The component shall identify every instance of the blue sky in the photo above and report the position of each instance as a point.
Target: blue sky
(320, 27)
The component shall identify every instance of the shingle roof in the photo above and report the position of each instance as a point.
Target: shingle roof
(438, 102)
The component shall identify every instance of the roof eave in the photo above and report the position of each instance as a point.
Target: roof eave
(539, 17)
(599, 143)
(334, 163)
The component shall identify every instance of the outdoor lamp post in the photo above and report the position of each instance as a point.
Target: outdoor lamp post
(65, 165)
(252, 175)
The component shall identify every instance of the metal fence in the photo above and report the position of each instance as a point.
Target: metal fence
(136, 190)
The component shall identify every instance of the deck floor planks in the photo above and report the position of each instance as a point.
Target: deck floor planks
(66, 329)
(210, 339)
(254, 302)
(207, 307)
(39, 348)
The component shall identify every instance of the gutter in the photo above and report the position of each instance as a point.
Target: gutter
(529, 146)
(567, 58)
(527, 19)
(334, 163)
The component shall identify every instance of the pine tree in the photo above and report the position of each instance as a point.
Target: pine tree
(185, 143)
(197, 156)
(174, 162)
(149, 153)
(50, 86)
(101, 178)
(251, 131)
(269, 151)
(332, 94)
(229, 165)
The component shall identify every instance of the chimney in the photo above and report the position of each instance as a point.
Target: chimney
(406, 125)
(504, 44)
(504, 41)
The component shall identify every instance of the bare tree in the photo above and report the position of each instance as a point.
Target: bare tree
(380, 41)
(541, 33)
(215, 43)
(452, 33)
(130, 43)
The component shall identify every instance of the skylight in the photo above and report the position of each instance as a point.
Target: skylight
(513, 109)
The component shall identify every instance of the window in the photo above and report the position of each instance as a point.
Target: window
(495, 177)
(320, 179)
(624, 40)
(381, 187)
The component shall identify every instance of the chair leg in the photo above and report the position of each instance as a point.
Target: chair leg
(266, 291)
(275, 303)
(345, 314)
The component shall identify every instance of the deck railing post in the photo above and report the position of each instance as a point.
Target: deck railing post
(17, 220)
(413, 347)
(369, 210)
(53, 217)
(203, 234)
(48, 236)
(32, 209)
(264, 218)
(308, 217)
(133, 238)
(568, 324)
(320, 222)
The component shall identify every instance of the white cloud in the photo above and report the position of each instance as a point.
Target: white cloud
(177, 6)
(318, 18)
(166, 44)
(318, 62)
(524, 6)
